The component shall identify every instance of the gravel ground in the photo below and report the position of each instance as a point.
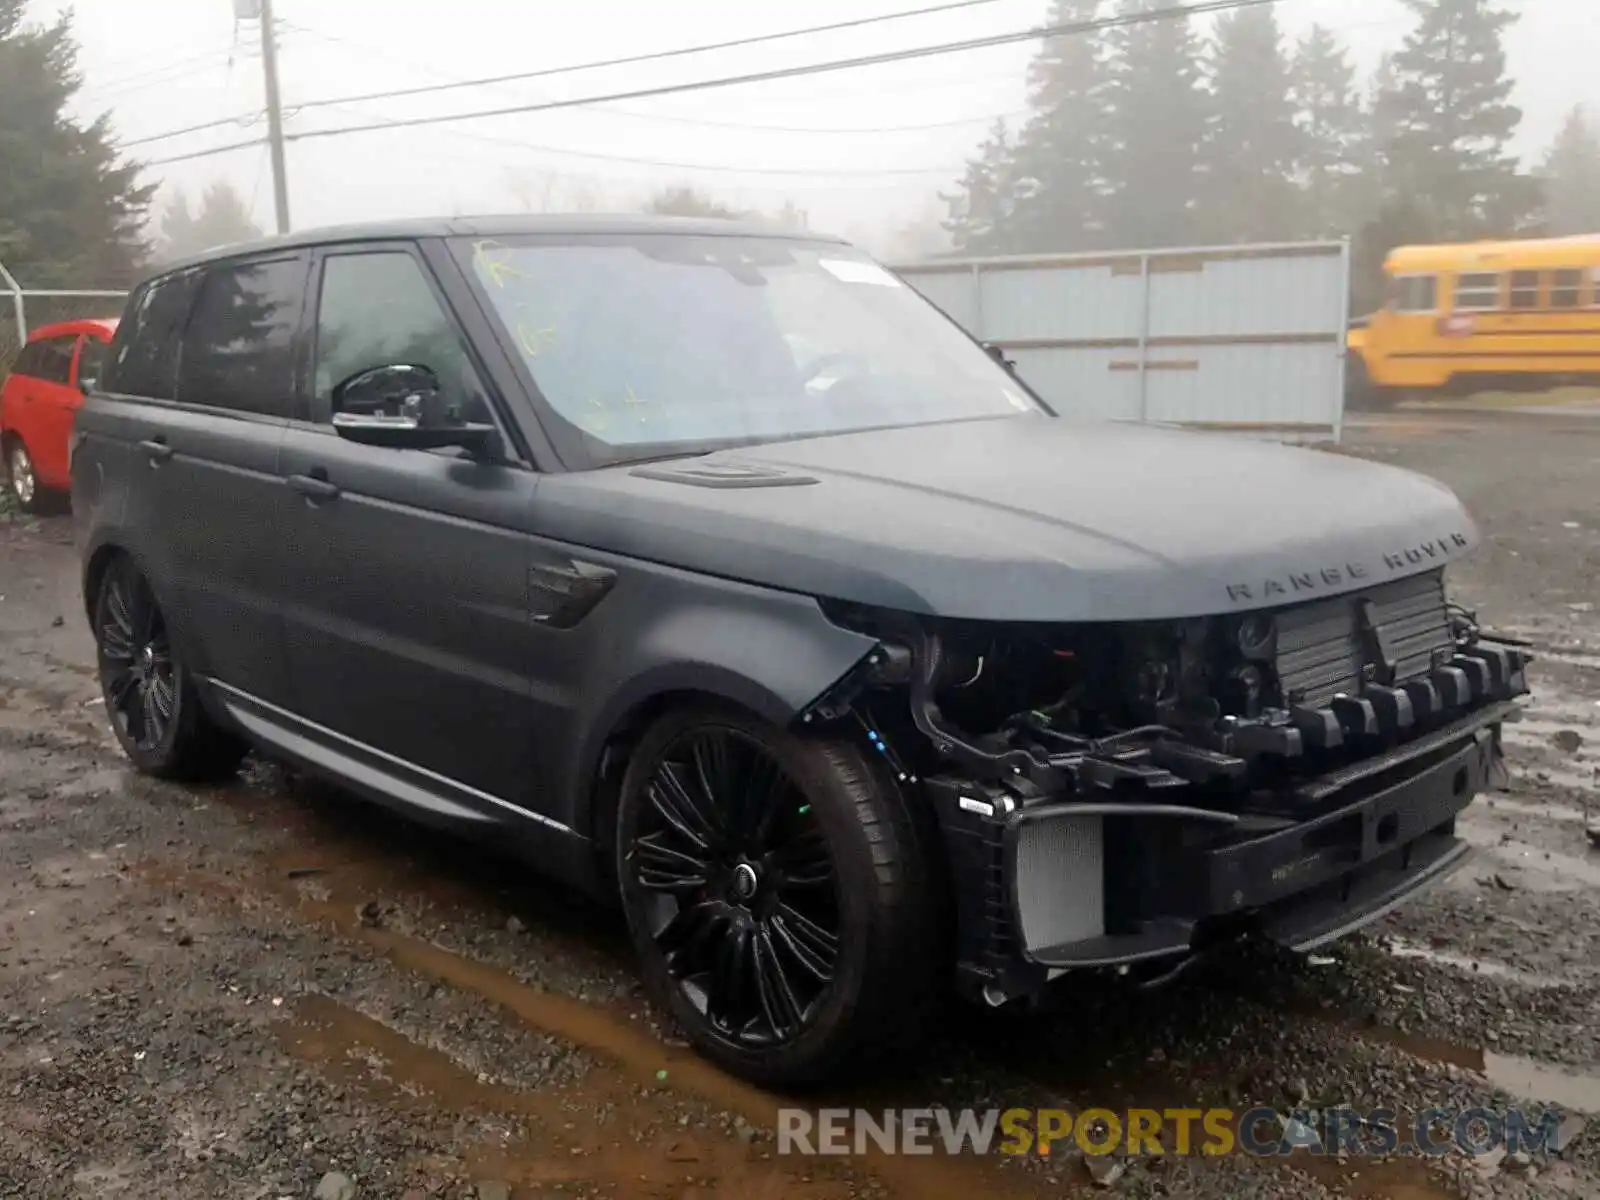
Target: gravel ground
(271, 990)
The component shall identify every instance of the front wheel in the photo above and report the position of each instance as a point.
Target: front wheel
(149, 695)
(779, 896)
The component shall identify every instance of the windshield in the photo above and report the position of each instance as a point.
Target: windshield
(659, 344)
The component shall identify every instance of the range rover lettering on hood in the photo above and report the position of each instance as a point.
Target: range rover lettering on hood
(1338, 578)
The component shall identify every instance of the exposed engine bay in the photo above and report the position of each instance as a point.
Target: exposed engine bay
(1118, 793)
(1169, 703)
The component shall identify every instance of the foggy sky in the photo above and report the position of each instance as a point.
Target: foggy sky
(836, 144)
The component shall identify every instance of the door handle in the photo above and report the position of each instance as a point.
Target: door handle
(157, 450)
(314, 487)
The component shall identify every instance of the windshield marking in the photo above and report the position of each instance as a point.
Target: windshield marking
(498, 269)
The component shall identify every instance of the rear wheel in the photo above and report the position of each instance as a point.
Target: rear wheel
(149, 696)
(778, 895)
(22, 477)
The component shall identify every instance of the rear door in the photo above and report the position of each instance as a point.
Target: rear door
(409, 637)
(213, 451)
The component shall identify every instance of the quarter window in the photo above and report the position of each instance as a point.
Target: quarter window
(1524, 289)
(143, 359)
(378, 310)
(1477, 292)
(238, 351)
(27, 360)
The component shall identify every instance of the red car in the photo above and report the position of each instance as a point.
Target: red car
(38, 402)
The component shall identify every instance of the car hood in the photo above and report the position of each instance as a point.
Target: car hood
(1026, 518)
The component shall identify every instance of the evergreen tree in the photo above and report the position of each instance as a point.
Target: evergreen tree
(1058, 175)
(1571, 175)
(1251, 143)
(1449, 121)
(981, 210)
(1155, 121)
(223, 219)
(70, 213)
(1334, 153)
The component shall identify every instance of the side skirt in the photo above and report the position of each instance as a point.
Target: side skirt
(411, 790)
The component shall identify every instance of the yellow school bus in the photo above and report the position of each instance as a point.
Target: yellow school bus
(1512, 316)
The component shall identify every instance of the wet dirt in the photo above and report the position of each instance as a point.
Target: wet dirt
(233, 991)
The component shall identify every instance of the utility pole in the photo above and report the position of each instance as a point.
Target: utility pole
(269, 65)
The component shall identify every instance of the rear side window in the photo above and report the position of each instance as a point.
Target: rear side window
(238, 351)
(143, 360)
(54, 361)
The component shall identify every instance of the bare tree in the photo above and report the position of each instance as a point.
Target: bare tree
(548, 191)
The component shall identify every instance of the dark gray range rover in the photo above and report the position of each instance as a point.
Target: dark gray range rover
(715, 569)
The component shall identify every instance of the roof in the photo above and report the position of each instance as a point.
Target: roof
(1580, 251)
(105, 325)
(510, 225)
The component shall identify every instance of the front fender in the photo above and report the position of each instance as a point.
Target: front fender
(769, 652)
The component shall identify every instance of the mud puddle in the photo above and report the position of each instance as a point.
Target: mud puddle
(608, 1133)
(635, 1057)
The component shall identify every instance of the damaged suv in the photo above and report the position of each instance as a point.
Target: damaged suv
(716, 570)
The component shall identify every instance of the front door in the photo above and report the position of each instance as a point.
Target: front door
(408, 631)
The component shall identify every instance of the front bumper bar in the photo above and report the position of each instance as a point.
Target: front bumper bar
(1050, 884)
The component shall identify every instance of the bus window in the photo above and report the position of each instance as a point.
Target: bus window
(1477, 293)
(1566, 289)
(1524, 289)
(1414, 293)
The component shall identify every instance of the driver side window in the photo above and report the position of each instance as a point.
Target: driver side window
(377, 310)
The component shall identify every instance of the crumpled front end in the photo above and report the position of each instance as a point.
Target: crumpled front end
(1127, 795)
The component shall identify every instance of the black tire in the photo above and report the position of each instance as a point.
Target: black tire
(827, 799)
(22, 479)
(150, 699)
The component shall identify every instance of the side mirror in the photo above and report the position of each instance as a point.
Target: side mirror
(401, 406)
(88, 383)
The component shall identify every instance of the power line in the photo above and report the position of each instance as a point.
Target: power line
(194, 154)
(492, 81)
(244, 120)
(655, 56)
(670, 118)
(790, 172)
(843, 64)
(1177, 12)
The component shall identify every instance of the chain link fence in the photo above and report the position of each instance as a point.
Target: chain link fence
(23, 310)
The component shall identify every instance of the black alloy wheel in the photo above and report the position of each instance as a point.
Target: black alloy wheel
(150, 698)
(136, 666)
(777, 894)
(744, 902)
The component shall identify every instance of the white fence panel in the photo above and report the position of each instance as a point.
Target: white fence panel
(1243, 338)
